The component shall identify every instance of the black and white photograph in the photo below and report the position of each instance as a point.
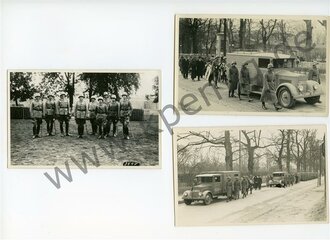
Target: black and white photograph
(250, 175)
(104, 119)
(266, 65)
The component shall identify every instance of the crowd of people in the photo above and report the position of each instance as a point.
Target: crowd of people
(102, 114)
(214, 69)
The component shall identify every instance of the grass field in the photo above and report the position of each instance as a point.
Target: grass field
(56, 150)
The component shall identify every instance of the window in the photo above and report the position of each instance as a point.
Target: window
(263, 62)
(206, 179)
(217, 178)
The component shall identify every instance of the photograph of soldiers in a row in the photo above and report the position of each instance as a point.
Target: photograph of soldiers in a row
(253, 65)
(58, 115)
(252, 175)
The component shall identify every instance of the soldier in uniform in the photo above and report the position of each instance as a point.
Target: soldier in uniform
(200, 67)
(36, 110)
(237, 188)
(80, 114)
(92, 114)
(229, 189)
(269, 88)
(63, 112)
(244, 83)
(125, 114)
(314, 75)
(233, 79)
(245, 186)
(106, 101)
(113, 114)
(101, 116)
(49, 113)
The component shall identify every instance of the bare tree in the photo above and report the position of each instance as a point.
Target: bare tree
(242, 33)
(309, 38)
(267, 29)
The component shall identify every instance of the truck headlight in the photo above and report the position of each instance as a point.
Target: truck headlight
(185, 194)
(200, 194)
(300, 88)
(315, 87)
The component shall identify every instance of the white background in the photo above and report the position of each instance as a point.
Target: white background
(119, 34)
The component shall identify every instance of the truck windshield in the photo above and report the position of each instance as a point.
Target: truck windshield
(283, 63)
(278, 174)
(205, 179)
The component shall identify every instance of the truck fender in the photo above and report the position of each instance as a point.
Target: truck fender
(206, 192)
(293, 89)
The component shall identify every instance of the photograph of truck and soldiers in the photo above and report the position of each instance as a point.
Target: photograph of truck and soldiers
(108, 116)
(252, 175)
(255, 64)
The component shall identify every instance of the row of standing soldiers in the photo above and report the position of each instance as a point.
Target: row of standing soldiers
(108, 111)
(245, 186)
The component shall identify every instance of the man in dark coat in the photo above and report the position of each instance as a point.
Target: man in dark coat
(244, 82)
(185, 67)
(233, 79)
(237, 188)
(245, 186)
(193, 68)
(200, 68)
(229, 189)
(314, 74)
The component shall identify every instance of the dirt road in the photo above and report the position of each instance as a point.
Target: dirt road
(300, 203)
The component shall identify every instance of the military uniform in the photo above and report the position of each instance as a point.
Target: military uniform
(80, 114)
(113, 116)
(244, 83)
(49, 113)
(63, 112)
(245, 186)
(101, 117)
(36, 110)
(269, 89)
(92, 116)
(125, 114)
(237, 188)
(229, 189)
(233, 79)
(314, 75)
(107, 101)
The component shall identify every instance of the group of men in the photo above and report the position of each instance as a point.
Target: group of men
(244, 185)
(102, 114)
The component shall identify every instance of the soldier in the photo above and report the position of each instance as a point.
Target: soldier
(92, 114)
(49, 113)
(229, 189)
(36, 111)
(233, 79)
(185, 67)
(63, 112)
(101, 116)
(259, 182)
(223, 70)
(244, 83)
(245, 186)
(113, 114)
(200, 67)
(251, 184)
(125, 113)
(80, 113)
(314, 73)
(193, 68)
(237, 188)
(269, 88)
(106, 101)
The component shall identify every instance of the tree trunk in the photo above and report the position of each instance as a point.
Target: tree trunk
(229, 152)
(309, 39)
(241, 34)
(288, 153)
(16, 101)
(250, 160)
(224, 37)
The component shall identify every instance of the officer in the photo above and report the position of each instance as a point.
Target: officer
(314, 73)
(245, 186)
(113, 114)
(244, 82)
(80, 114)
(92, 114)
(229, 189)
(106, 100)
(49, 113)
(63, 112)
(125, 114)
(101, 116)
(36, 111)
(233, 79)
(237, 188)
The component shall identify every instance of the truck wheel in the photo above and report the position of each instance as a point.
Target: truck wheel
(187, 201)
(312, 100)
(208, 199)
(285, 97)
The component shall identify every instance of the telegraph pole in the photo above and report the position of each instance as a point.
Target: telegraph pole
(239, 151)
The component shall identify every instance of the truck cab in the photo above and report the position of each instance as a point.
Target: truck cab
(290, 84)
(208, 186)
(279, 179)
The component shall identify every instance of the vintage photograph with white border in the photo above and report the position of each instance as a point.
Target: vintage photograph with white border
(84, 118)
(250, 175)
(251, 65)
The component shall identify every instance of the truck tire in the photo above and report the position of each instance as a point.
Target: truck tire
(312, 100)
(187, 201)
(208, 199)
(285, 98)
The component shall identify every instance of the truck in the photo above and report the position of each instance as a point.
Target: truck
(290, 84)
(279, 179)
(209, 186)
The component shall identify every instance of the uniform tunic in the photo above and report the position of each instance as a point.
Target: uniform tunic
(314, 74)
(229, 188)
(36, 109)
(92, 108)
(50, 108)
(113, 110)
(101, 113)
(125, 109)
(63, 107)
(80, 110)
(269, 88)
